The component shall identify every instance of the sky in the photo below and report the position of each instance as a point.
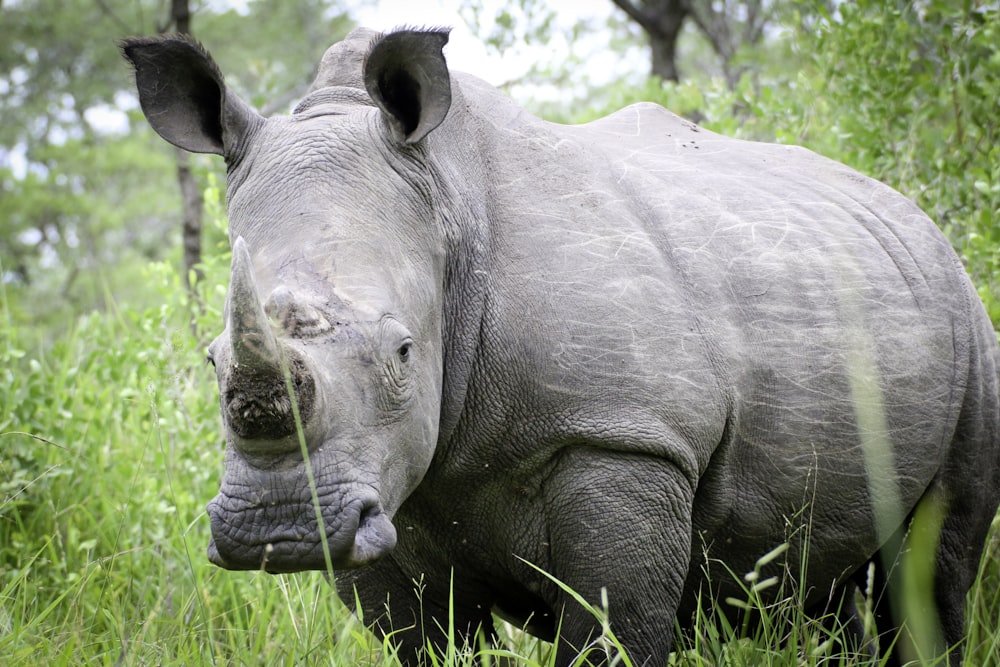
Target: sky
(465, 50)
(595, 64)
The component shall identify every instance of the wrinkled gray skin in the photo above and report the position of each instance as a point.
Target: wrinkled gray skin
(625, 352)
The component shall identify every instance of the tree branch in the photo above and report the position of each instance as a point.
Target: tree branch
(634, 13)
(713, 25)
(122, 25)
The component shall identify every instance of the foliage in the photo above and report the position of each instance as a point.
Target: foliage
(576, 67)
(109, 420)
(527, 22)
(88, 195)
(60, 74)
(904, 92)
(563, 57)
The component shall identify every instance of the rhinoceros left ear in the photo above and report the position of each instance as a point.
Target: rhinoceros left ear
(407, 76)
(184, 97)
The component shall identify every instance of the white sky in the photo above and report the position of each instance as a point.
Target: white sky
(465, 50)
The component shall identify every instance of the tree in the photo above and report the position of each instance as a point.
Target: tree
(662, 21)
(192, 202)
(731, 28)
(85, 187)
(741, 42)
(60, 75)
(728, 26)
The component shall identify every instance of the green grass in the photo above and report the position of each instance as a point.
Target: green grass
(111, 448)
(109, 438)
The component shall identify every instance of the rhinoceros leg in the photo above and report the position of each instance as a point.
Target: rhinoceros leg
(620, 523)
(953, 515)
(967, 493)
(407, 612)
(958, 555)
(919, 619)
(842, 619)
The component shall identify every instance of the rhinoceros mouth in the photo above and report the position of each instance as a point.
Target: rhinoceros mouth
(287, 538)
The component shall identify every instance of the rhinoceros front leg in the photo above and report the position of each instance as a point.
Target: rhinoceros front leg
(622, 523)
(396, 606)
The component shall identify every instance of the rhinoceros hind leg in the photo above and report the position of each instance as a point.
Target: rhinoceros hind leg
(922, 577)
(842, 619)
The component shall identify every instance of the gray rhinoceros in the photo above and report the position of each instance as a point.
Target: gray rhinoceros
(632, 354)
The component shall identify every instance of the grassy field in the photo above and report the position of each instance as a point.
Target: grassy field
(111, 448)
(109, 431)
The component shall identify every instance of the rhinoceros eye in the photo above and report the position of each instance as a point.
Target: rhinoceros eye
(395, 379)
(397, 357)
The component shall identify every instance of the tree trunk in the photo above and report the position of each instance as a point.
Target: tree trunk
(662, 21)
(191, 195)
(180, 16)
(664, 54)
(191, 221)
(728, 25)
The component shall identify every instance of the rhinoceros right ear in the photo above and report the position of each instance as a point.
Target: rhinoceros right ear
(406, 75)
(183, 96)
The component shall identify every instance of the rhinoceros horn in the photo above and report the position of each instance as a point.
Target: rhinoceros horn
(255, 347)
(256, 395)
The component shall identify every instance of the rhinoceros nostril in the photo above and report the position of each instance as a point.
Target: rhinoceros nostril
(258, 405)
(375, 537)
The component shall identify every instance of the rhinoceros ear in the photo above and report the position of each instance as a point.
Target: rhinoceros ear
(183, 96)
(407, 76)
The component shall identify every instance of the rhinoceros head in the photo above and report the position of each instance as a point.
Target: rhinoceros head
(330, 364)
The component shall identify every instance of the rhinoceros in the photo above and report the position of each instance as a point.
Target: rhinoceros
(477, 363)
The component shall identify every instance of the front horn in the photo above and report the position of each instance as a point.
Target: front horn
(255, 346)
(256, 397)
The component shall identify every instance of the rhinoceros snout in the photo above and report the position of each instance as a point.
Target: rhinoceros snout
(258, 405)
(285, 537)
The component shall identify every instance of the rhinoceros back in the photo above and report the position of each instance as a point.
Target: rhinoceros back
(842, 321)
